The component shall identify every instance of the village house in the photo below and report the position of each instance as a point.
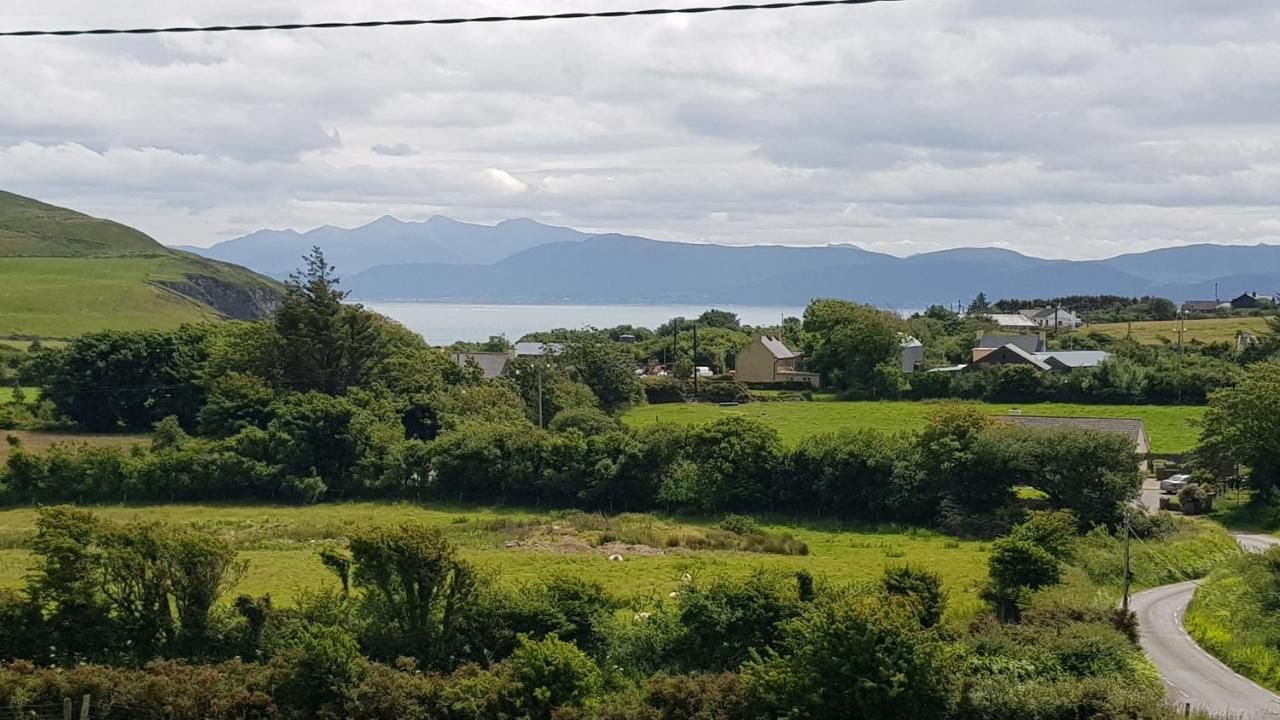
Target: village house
(768, 360)
(491, 364)
(1134, 428)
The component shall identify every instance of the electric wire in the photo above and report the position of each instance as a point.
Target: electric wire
(491, 19)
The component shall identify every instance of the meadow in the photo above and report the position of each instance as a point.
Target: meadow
(30, 394)
(281, 545)
(40, 441)
(63, 297)
(1206, 331)
(1172, 429)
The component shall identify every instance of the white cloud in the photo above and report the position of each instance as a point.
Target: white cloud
(1066, 131)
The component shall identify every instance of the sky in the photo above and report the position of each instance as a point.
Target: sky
(1068, 130)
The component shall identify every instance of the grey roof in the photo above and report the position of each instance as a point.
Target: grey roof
(1133, 427)
(777, 348)
(1201, 304)
(1012, 320)
(535, 349)
(1074, 358)
(908, 341)
(492, 364)
(1029, 357)
(1027, 343)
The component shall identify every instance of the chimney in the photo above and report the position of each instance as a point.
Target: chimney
(980, 334)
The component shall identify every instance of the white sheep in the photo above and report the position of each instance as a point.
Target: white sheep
(642, 616)
(615, 558)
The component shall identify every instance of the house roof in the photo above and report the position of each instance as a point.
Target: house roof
(1030, 358)
(1012, 320)
(1201, 304)
(776, 347)
(492, 364)
(534, 349)
(1074, 358)
(1133, 427)
(1029, 343)
(908, 341)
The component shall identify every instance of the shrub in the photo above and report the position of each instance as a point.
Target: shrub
(921, 587)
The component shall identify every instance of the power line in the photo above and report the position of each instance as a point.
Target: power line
(441, 21)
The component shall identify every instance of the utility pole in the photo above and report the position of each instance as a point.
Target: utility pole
(695, 360)
(1128, 574)
(1182, 328)
(540, 423)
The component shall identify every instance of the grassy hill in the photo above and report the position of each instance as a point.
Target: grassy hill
(63, 273)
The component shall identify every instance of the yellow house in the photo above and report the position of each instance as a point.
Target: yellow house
(768, 360)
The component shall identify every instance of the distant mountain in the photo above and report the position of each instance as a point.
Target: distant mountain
(388, 241)
(623, 269)
(63, 273)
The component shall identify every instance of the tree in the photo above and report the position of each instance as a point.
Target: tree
(1017, 568)
(607, 367)
(719, 319)
(415, 587)
(1239, 428)
(851, 656)
(979, 305)
(922, 588)
(846, 341)
(967, 459)
(1090, 473)
(547, 675)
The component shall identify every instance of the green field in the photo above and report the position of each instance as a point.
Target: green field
(1171, 428)
(6, 394)
(39, 441)
(64, 297)
(1205, 331)
(281, 545)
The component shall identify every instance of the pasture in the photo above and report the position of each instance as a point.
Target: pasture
(30, 394)
(1206, 331)
(1172, 429)
(40, 441)
(63, 297)
(281, 545)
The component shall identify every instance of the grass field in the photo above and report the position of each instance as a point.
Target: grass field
(1170, 428)
(1208, 330)
(1227, 618)
(64, 297)
(6, 394)
(40, 441)
(281, 546)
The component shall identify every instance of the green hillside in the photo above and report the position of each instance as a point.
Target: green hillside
(63, 273)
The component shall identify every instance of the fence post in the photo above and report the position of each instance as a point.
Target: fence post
(66, 708)
(84, 707)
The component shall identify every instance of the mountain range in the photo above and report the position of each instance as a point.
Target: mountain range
(523, 261)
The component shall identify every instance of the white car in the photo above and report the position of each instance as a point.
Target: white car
(1173, 484)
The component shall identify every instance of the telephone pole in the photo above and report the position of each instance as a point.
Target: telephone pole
(695, 360)
(1128, 574)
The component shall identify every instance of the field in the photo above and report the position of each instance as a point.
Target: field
(6, 394)
(1171, 428)
(281, 546)
(1208, 330)
(64, 297)
(39, 441)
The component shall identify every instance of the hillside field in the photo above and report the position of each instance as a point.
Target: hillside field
(1205, 331)
(1171, 428)
(63, 297)
(281, 545)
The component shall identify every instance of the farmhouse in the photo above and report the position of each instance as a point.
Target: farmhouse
(1028, 343)
(1246, 301)
(1029, 350)
(1132, 427)
(912, 355)
(768, 360)
(1052, 317)
(1013, 321)
(492, 364)
(1202, 305)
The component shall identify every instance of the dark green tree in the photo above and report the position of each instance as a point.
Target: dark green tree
(846, 342)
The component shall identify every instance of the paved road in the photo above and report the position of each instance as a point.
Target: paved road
(1190, 674)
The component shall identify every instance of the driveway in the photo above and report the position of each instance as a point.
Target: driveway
(1190, 674)
(1151, 494)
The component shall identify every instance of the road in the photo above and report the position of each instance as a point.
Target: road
(1190, 674)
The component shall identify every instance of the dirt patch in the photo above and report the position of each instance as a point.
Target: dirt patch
(573, 545)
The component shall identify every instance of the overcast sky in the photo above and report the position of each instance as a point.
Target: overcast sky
(1111, 126)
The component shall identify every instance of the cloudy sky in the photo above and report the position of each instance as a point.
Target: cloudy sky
(1060, 129)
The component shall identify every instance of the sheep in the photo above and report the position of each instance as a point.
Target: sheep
(642, 616)
(615, 558)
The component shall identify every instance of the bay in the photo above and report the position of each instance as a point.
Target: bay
(446, 323)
